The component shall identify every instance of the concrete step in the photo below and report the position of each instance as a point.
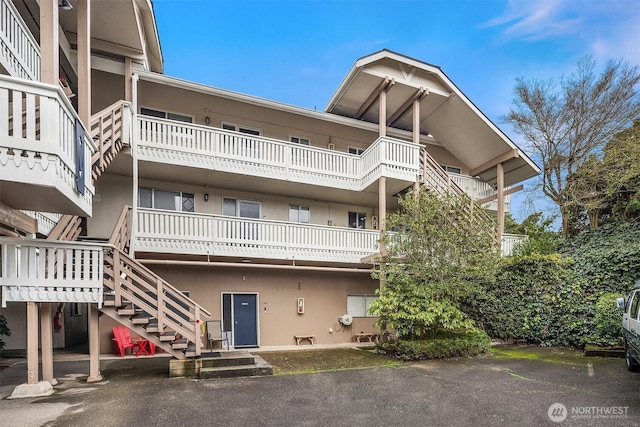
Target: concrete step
(235, 371)
(227, 359)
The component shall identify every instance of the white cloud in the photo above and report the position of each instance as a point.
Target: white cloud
(608, 29)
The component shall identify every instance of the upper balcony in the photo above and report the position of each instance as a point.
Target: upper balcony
(19, 50)
(213, 149)
(45, 150)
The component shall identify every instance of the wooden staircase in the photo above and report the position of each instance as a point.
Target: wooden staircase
(434, 178)
(135, 296)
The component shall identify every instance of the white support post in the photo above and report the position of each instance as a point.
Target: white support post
(500, 182)
(46, 341)
(416, 120)
(84, 60)
(94, 344)
(382, 119)
(49, 42)
(32, 343)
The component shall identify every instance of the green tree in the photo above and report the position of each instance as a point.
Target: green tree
(541, 239)
(566, 121)
(434, 251)
(622, 165)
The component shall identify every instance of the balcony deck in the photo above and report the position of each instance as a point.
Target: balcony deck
(203, 147)
(173, 232)
(50, 271)
(44, 150)
(19, 50)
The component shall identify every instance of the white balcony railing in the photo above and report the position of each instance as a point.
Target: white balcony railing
(509, 242)
(478, 189)
(191, 145)
(38, 145)
(19, 50)
(46, 221)
(51, 271)
(217, 235)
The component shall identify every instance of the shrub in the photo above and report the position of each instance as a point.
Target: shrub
(4, 331)
(444, 345)
(607, 321)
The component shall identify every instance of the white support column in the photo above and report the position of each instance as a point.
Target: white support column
(416, 120)
(32, 343)
(49, 42)
(500, 182)
(94, 345)
(134, 154)
(382, 221)
(46, 341)
(83, 8)
(382, 104)
(128, 73)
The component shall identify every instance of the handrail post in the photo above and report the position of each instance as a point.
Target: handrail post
(117, 277)
(198, 339)
(160, 305)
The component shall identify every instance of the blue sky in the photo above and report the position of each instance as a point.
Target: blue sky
(298, 52)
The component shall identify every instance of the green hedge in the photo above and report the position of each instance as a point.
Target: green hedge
(566, 299)
(442, 346)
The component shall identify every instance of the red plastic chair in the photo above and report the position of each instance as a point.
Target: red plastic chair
(122, 337)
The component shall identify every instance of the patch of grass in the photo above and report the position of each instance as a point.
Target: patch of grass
(541, 354)
(306, 361)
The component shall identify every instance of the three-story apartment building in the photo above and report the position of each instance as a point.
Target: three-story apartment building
(196, 202)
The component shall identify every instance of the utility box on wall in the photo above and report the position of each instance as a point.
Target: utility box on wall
(300, 305)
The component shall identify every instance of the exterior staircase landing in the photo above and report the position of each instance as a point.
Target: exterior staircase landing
(226, 364)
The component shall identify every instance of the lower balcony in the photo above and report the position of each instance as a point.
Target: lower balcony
(35, 270)
(180, 233)
(45, 150)
(172, 232)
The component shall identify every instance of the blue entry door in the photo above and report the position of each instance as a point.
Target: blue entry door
(245, 320)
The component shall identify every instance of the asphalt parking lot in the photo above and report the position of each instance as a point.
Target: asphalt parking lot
(487, 391)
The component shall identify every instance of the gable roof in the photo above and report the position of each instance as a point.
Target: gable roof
(445, 112)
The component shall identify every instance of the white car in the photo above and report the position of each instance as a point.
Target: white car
(631, 327)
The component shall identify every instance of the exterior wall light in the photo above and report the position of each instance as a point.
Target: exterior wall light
(64, 5)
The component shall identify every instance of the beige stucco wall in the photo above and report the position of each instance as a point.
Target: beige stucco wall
(324, 293)
(16, 315)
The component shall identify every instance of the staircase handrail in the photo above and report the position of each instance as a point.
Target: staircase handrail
(107, 127)
(122, 230)
(130, 280)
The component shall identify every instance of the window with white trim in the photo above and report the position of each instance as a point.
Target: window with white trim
(356, 150)
(241, 208)
(358, 305)
(301, 214)
(241, 129)
(452, 169)
(357, 220)
(166, 115)
(165, 199)
(298, 140)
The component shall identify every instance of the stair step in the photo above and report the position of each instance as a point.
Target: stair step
(178, 344)
(168, 336)
(227, 359)
(126, 311)
(109, 300)
(236, 371)
(152, 326)
(141, 319)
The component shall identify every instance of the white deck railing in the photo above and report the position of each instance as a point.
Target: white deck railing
(51, 271)
(38, 139)
(478, 189)
(46, 220)
(217, 235)
(191, 145)
(19, 50)
(509, 242)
